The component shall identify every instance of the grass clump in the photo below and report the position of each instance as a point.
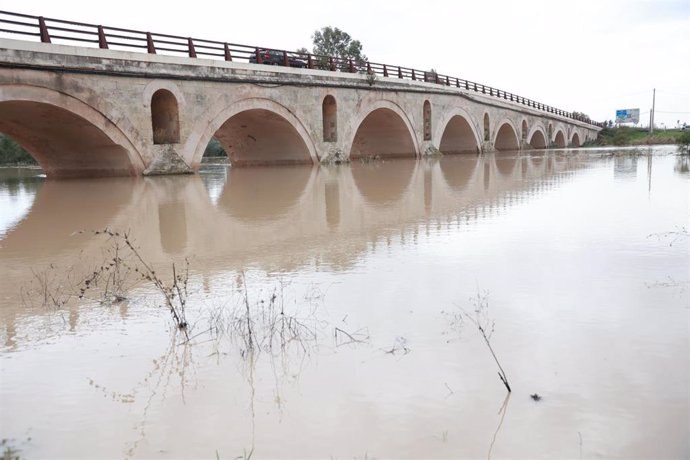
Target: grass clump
(683, 142)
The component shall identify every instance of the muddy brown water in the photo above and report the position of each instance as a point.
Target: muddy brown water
(355, 277)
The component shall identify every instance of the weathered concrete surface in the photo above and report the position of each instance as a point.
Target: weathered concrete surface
(83, 111)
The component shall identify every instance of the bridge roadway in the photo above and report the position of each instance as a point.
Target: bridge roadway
(97, 112)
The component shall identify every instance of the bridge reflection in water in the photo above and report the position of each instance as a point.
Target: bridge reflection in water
(271, 219)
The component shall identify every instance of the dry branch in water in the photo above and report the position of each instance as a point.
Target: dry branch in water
(174, 293)
(485, 326)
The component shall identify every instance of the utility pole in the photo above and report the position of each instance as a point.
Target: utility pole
(651, 114)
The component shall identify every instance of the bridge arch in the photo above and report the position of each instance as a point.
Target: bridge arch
(382, 129)
(66, 136)
(242, 129)
(506, 136)
(456, 133)
(575, 141)
(537, 138)
(559, 139)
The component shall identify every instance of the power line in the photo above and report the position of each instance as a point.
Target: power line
(673, 93)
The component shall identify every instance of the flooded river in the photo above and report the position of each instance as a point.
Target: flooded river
(332, 312)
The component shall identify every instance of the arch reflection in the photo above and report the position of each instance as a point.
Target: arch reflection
(458, 171)
(258, 194)
(367, 177)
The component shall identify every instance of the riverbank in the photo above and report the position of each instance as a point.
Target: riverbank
(624, 136)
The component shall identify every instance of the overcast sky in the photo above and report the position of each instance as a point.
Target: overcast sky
(592, 56)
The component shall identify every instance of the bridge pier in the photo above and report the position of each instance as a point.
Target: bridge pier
(166, 161)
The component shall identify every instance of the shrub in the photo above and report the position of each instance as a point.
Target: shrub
(13, 153)
(683, 142)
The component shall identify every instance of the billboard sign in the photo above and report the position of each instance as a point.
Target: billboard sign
(628, 116)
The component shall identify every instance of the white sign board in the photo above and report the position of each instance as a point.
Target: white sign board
(628, 116)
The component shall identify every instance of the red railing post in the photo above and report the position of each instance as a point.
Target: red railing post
(286, 61)
(310, 61)
(102, 42)
(414, 77)
(350, 66)
(368, 68)
(228, 56)
(259, 58)
(149, 43)
(447, 81)
(331, 64)
(190, 47)
(400, 75)
(45, 36)
(385, 70)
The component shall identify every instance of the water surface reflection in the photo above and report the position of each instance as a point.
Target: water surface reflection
(371, 260)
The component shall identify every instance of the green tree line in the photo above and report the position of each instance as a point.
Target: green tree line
(13, 153)
(626, 135)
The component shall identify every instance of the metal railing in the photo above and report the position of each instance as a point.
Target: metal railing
(59, 31)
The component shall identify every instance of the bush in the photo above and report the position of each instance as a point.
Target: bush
(214, 149)
(683, 142)
(13, 153)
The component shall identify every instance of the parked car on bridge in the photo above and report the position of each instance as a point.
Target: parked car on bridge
(275, 57)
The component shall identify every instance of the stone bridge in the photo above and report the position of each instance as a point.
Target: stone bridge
(98, 112)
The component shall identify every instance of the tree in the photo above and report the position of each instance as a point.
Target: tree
(13, 153)
(331, 41)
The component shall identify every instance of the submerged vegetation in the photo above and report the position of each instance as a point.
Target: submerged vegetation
(174, 292)
(485, 325)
